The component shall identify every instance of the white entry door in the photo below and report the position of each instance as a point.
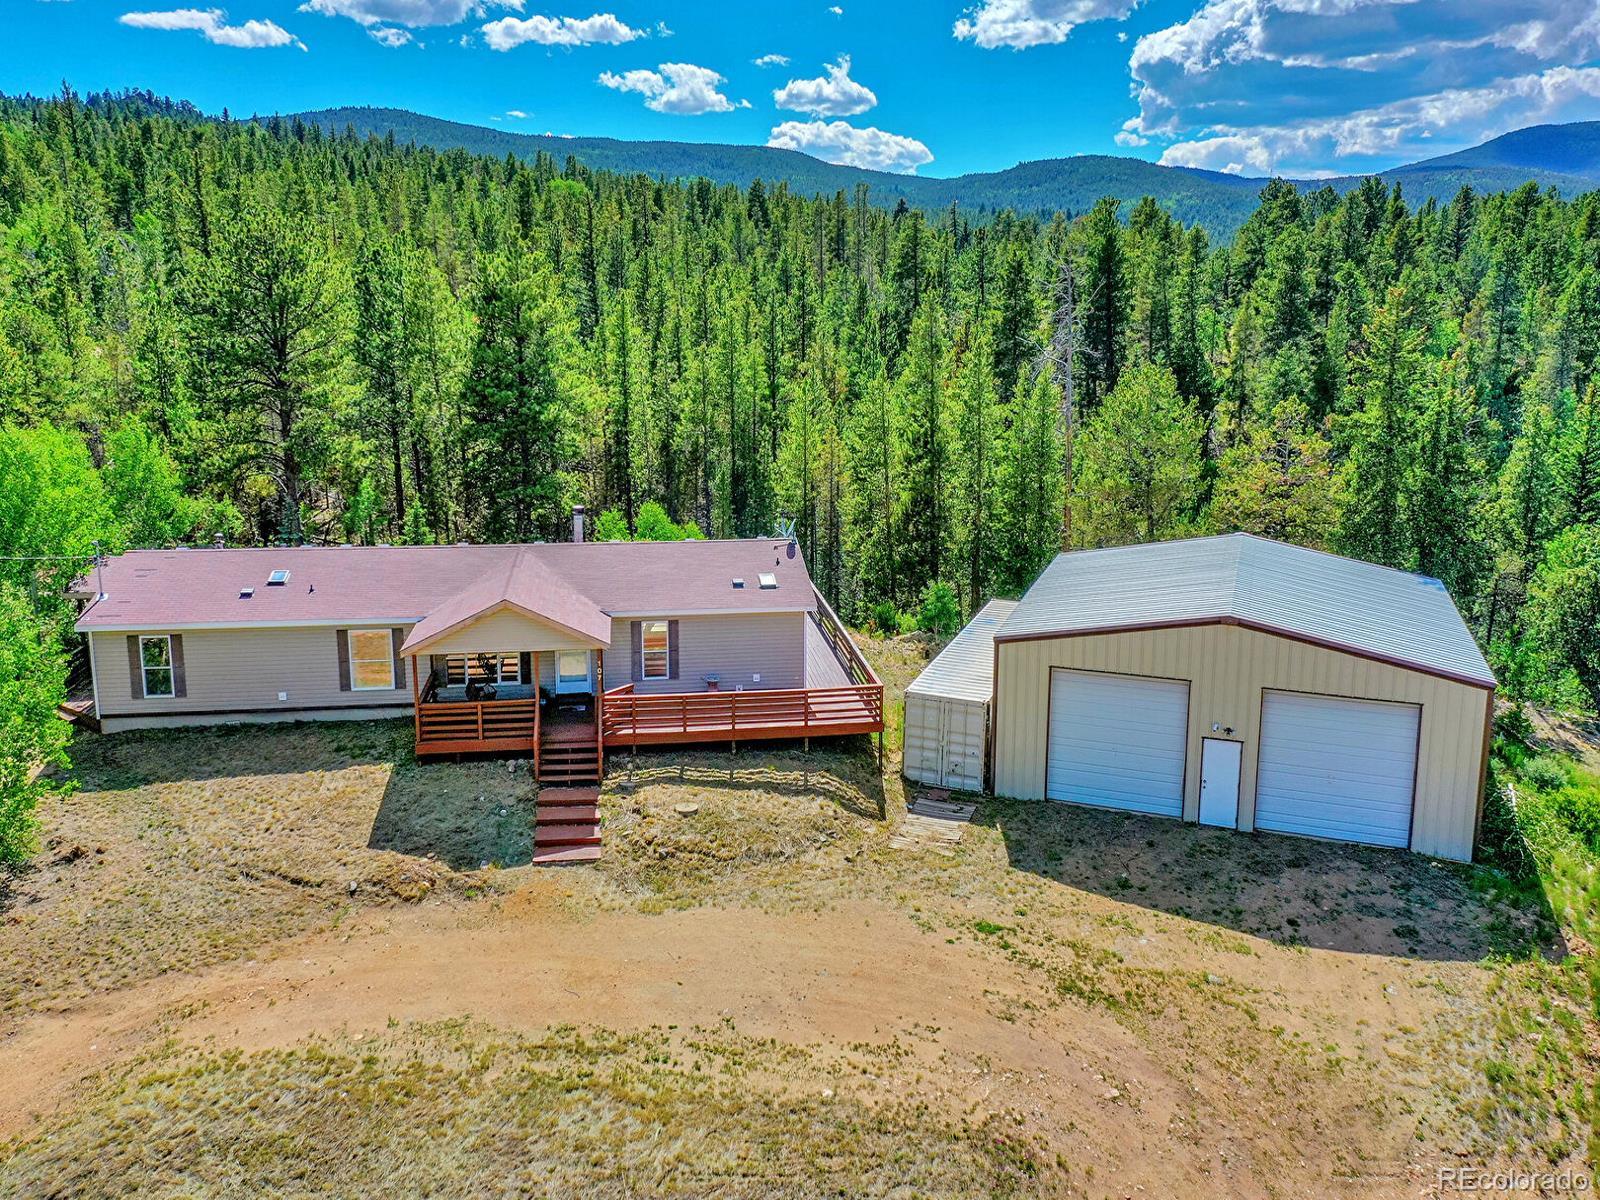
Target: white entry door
(1337, 768)
(1117, 741)
(1219, 782)
(573, 672)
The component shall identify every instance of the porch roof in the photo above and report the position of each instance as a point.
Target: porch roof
(520, 584)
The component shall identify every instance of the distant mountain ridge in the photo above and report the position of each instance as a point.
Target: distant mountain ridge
(1566, 157)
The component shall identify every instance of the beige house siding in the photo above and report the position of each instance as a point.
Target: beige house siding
(504, 631)
(736, 647)
(239, 671)
(1227, 668)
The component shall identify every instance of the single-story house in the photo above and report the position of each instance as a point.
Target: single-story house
(1242, 682)
(552, 652)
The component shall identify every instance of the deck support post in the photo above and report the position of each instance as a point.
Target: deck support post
(538, 704)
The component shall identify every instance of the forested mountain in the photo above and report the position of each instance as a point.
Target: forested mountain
(1566, 157)
(269, 333)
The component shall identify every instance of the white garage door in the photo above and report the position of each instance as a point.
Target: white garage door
(1117, 741)
(1341, 769)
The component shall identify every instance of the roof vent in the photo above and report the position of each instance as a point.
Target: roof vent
(277, 579)
(246, 593)
(738, 583)
(768, 580)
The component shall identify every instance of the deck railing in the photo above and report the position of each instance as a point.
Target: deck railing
(844, 649)
(449, 726)
(629, 718)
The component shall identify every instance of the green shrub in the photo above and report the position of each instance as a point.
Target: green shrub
(1544, 773)
(941, 611)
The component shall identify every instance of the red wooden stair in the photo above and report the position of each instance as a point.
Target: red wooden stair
(567, 825)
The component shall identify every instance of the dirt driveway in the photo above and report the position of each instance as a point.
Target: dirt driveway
(233, 973)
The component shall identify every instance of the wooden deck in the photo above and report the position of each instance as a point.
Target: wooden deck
(631, 719)
(557, 739)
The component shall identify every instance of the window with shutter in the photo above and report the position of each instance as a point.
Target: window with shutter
(371, 660)
(655, 660)
(155, 664)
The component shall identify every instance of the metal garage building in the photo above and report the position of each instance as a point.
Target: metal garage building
(1246, 683)
(947, 706)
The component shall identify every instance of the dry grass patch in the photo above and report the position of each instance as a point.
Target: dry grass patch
(463, 1111)
(186, 848)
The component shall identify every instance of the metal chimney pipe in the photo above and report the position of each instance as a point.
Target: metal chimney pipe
(577, 522)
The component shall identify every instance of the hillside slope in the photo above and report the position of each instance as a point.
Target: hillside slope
(1566, 157)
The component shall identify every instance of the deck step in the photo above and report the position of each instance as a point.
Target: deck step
(556, 856)
(563, 778)
(569, 795)
(567, 835)
(568, 814)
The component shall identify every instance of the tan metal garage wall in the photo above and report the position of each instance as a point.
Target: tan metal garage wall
(1227, 667)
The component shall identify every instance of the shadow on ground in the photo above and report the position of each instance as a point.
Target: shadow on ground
(119, 762)
(843, 771)
(466, 815)
(1295, 891)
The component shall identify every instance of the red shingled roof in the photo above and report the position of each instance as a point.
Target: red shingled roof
(328, 585)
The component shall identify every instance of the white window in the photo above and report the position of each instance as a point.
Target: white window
(655, 651)
(155, 661)
(371, 659)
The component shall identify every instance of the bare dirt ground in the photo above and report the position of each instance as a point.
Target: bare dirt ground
(237, 971)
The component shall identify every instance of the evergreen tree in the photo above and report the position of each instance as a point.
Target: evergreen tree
(1372, 524)
(517, 404)
(1278, 483)
(1137, 474)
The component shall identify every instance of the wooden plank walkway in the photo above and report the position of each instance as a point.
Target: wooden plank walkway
(933, 821)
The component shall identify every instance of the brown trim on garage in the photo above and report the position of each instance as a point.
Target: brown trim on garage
(1483, 769)
(1257, 627)
(1188, 710)
(1416, 763)
(992, 737)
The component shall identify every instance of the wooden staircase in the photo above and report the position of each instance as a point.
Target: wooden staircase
(567, 828)
(569, 763)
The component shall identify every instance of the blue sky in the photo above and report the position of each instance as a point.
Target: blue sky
(1299, 87)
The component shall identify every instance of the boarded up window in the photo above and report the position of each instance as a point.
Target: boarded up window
(371, 660)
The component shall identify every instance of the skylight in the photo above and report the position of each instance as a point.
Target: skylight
(738, 583)
(277, 579)
(768, 579)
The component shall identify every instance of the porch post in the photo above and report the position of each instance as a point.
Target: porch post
(538, 704)
(416, 705)
(599, 712)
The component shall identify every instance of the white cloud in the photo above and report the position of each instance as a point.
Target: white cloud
(680, 88)
(836, 11)
(602, 29)
(212, 24)
(841, 142)
(516, 114)
(771, 60)
(1400, 129)
(1291, 85)
(1020, 24)
(389, 35)
(836, 95)
(414, 14)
